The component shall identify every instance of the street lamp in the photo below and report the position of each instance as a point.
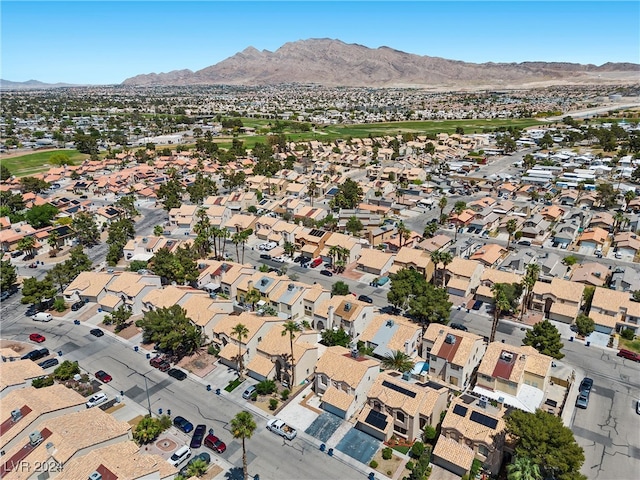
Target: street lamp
(146, 387)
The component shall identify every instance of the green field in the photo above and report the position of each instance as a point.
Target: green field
(33, 163)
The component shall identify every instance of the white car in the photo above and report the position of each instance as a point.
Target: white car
(270, 246)
(279, 259)
(180, 455)
(96, 399)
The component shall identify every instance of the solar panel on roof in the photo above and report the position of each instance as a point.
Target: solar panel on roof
(399, 389)
(484, 420)
(377, 419)
(460, 410)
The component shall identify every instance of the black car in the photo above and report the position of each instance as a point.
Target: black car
(326, 273)
(177, 374)
(364, 298)
(50, 362)
(204, 456)
(198, 436)
(77, 306)
(96, 332)
(458, 326)
(36, 354)
(585, 386)
(183, 424)
(298, 259)
(265, 256)
(477, 304)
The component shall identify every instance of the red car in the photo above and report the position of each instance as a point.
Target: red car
(36, 337)
(215, 444)
(103, 376)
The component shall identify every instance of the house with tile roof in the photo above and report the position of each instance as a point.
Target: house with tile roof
(343, 311)
(386, 334)
(397, 407)
(514, 376)
(342, 379)
(452, 355)
(374, 261)
(145, 247)
(88, 287)
(490, 255)
(120, 460)
(413, 259)
(59, 440)
(15, 374)
(337, 239)
(593, 237)
(128, 289)
(491, 276)
(273, 356)
(472, 424)
(168, 296)
(559, 300)
(591, 273)
(613, 311)
(462, 276)
(627, 243)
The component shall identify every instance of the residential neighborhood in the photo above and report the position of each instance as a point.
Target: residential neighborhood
(407, 304)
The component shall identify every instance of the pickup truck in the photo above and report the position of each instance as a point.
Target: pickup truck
(281, 428)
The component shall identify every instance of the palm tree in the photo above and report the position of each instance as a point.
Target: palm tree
(224, 234)
(244, 236)
(445, 258)
(242, 427)
(215, 233)
(240, 331)
(528, 282)
(397, 360)
(236, 239)
(291, 328)
(253, 296)
(501, 304)
(436, 259)
(27, 244)
(312, 188)
(289, 248)
(334, 251)
(404, 233)
(512, 226)
(442, 203)
(523, 468)
(618, 219)
(53, 242)
(458, 208)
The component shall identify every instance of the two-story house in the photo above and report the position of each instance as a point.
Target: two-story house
(386, 334)
(614, 311)
(560, 300)
(462, 276)
(344, 311)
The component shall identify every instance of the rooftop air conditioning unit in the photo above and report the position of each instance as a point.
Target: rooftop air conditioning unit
(389, 323)
(16, 414)
(450, 339)
(347, 307)
(290, 287)
(35, 438)
(95, 476)
(506, 356)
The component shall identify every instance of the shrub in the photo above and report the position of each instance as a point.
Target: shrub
(266, 387)
(147, 430)
(373, 464)
(417, 449)
(59, 305)
(254, 396)
(42, 382)
(273, 403)
(389, 473)
(627, 334)
(429, 433)
(213, 349)
(387, 453)
(66, 370)
(409, 465)
(284, 395)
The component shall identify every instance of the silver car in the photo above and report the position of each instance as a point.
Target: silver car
(582, 401)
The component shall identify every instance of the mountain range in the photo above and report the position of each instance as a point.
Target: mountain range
(30, 85)
(335, 63)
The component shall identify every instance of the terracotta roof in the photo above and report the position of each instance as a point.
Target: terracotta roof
(418, 400)
(465, 342)
(18, 372)
(524, 359)
(462, 267)
(274, 343)
(89, 283)
(455, 453)
(338, 398)
(373, 258)
(338, 364)
(260, 365)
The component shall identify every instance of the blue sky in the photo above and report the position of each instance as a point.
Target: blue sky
(107, 42)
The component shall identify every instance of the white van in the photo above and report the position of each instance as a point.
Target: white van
(42, 317)
(180, 455)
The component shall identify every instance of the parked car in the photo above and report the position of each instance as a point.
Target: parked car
(4, 295)
(32, 265)
(42, 317)
(96, 332)
(526, 243)
(326, 273)
(459, 326)
(77, 306)
(582, 401)
(17, 253)
(586, 385)
(36, 337)
(36, 354)
(180, 455)
(265, 256)
(177, 374)
(638, 407)
(247, 393)
(96, 399)
(164, 366)
(477, 305)
(183, 424)
(315, 262)
(364, 298)
(215, 444)
(198, 436)
(628, 354)
(49, 362)
(103, 376)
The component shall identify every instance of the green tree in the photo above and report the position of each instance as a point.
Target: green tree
(354, 226)
(290, 328)
(136, 265)
(32, 184)
(158, 230)
(606, 195)
(85, 229)
(241, 332)
(252, 297)
(171, 330)
(5, 174)
(511, 227)
(8, 275)
(397, 360)
(528, 282)
(40, 216)
(585, 325)
(201, 188)
(442, 203)
(118, 317)
(179, 267)
(523, 468)
(331, 338)
(66, 370)
(501, 304)
(242, 428)
(587, 298)
(34, 291)
(340, 288)
(430, 230)
(147, 430)
(197, 467)
(545, 338)
(203, 230)
(60, 275)
(543, 438)
(170, 194)
(127, 205)
(312, 189)
(348, 196)
(430, 305)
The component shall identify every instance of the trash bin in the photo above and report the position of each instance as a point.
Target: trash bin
(588, 343)
(148, 356)
(571, 339)
(208, 388)
(322, 447)
(135, 348)
(217, 391)
(330, 452)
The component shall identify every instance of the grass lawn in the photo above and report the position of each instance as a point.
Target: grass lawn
(633, 345)
(33, 163)
(401, 448)
(233, 384)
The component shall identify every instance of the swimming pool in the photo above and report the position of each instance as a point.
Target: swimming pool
(419, 368)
